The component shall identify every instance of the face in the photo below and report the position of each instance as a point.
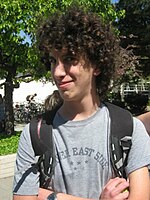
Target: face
(72, 75)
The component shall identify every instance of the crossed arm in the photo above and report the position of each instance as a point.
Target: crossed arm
(139, 187)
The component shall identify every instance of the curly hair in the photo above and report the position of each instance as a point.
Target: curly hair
(86, 34)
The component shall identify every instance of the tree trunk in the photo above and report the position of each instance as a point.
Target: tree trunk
(9, 117)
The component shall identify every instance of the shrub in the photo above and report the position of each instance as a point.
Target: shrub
(136, 103)
(9, 144)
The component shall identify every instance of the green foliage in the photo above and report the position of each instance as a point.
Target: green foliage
(9, 144)
(135, 28)
(18, 21)
(104, 8)
(16, 53)
(19, 55)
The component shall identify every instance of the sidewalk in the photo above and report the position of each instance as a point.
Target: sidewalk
(6, 188)
(6, 183)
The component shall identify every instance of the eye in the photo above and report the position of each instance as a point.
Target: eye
(52, 60)
(70, 60)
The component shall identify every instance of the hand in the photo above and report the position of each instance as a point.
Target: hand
(115, 189)
(43, 194)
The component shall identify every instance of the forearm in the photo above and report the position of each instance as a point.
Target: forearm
(61, 196)
(112, 190)
(20, 197)
(43, 194)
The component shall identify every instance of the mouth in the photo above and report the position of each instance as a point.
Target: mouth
(64, 84)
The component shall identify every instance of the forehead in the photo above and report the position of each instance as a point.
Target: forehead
(63, 52)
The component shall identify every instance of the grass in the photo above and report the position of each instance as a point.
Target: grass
(9, 144)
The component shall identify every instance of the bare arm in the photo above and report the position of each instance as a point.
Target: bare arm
(107, 192)
(43, 194)
(139, 185)
(145, 118)
(112, 191)
(20, 197)
(60, 196)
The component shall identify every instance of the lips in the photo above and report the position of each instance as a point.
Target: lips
(64, 84)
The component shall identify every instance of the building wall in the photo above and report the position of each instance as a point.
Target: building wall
(42, 91)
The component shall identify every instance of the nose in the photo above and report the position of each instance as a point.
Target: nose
(59, 70)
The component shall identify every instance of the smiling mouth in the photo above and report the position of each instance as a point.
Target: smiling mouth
(64, 84)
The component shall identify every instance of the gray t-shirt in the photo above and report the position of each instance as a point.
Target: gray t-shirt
(82, 156)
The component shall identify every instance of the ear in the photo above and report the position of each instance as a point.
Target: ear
(96, 72)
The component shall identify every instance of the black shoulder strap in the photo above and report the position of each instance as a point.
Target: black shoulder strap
(41, 132)
(42, 142)
(120, 137)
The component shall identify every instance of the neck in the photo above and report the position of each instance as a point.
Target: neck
(79, 110)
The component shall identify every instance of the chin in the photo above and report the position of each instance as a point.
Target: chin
(66, 96)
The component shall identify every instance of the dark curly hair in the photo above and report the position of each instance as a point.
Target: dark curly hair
(85, 33)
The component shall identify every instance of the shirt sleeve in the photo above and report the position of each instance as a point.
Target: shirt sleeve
(139, 155)
(26, 177)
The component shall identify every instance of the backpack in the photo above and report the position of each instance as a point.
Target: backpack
(120, 141)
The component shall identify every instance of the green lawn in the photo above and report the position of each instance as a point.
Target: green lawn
(9, 144)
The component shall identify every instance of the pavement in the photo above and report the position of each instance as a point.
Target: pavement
(6, 183)
(6, 188)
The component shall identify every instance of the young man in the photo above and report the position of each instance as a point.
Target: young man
(82, 53)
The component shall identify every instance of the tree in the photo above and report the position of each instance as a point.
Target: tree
(16, 54)
(19, 55)
(135, 31)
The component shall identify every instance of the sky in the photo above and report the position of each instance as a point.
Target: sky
(114, 1)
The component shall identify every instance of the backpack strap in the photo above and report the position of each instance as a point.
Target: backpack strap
(42, 143)
(120, 137)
